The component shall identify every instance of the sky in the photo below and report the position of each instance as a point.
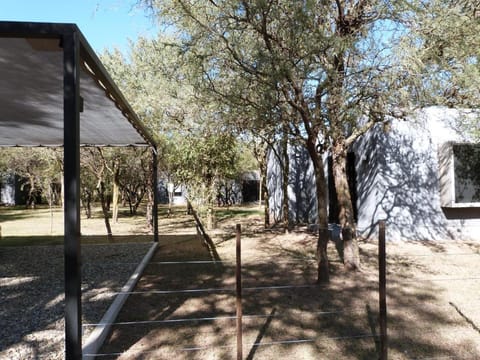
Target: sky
(106, 24)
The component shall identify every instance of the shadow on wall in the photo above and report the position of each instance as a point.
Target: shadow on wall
(398, 181)
(302, 195)
(302, 200)
(274, 185)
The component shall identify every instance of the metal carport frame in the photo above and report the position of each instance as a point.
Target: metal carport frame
(42, 67)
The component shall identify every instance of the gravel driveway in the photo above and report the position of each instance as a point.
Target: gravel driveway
(32, 294)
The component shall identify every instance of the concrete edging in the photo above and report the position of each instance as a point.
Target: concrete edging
(98, 336)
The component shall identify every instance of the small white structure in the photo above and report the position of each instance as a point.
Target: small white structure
(170, 193)
(7, 190)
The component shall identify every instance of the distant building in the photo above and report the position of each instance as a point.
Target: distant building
(11, 190)
(245, 189)
(250, 186)
(7, 189)
(179, 193)
(422, 176)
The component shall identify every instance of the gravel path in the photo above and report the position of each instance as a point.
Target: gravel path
(32, 294)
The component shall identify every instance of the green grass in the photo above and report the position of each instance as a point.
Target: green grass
(42, 226)
(9, 241)
(30, 240)
(237, 212)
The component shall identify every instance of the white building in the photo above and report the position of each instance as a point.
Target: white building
(7, 189)
(418, 175)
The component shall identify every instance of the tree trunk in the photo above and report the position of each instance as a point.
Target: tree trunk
(50, 206)
(346, 217)
(139, 197)
(260, 191)
(211, 221)
(31, 194)
(323, 275)
(103, 200)
(285, 181)
(150, 202)
(150, 199)
(116, 187)
(88, 206)
(266, 200)
(62, 189)
(263, 188)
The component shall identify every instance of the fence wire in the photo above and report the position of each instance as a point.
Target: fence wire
(193, 348)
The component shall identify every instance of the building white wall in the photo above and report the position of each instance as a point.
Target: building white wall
(398, 179)
(301, 186)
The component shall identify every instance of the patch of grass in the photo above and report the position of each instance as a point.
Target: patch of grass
(45, 226)
(223, 214)
(8, 241)
(30, 240)
(175, 210)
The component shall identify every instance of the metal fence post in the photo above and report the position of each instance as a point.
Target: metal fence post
(238, 276)
(382, 291)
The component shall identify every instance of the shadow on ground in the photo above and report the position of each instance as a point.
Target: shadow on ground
(32, 290)
(184, 306)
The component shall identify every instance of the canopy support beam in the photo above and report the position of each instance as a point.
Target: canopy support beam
(155, 193)
(71, 128)
(76, 53)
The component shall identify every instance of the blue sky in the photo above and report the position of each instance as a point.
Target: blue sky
(105, 23)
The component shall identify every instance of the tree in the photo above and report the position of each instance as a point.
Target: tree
(331, 63)
(134, 174)
(39, 170)
(444, 50)
(195, 146)
(205, 160)
(94, 162)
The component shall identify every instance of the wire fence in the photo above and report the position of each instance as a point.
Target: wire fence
(381, 339)
(443, 275)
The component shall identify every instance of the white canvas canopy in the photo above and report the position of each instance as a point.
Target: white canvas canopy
(31, 96)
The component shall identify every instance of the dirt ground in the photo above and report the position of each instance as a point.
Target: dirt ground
(184, 305)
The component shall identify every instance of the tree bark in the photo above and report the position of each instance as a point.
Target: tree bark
(285, 181)
(103, 200)
(116, 187)
(149, 215)
(31, 201)
(264, 190)
(323, 275)
(87, 202)
(150, 195)
(346, 217)
(211, 221)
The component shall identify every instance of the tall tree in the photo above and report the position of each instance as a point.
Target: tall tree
(443, 48)
(39, 170)
(95, 165)
(330, 61)
(196, 148)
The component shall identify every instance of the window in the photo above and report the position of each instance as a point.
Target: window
(178, 192)
(460, 175)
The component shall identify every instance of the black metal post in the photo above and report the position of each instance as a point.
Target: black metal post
(155, 193)
(71, 119)
(238, 281)
(382, 291)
